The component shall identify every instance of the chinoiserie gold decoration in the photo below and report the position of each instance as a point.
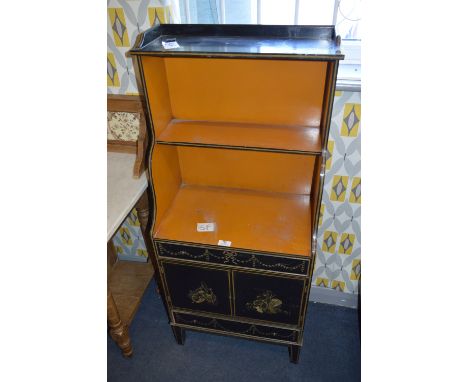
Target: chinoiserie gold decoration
(233, 258)
(202, 294)
(266, 302)
(254, 330)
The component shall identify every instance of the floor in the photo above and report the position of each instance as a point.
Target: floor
(331, 351)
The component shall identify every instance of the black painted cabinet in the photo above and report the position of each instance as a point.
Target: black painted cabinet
(273, 298)
(239, 118)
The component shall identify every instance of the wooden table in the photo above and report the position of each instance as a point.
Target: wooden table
(126, 280)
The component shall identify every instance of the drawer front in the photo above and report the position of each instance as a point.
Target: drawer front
(243, 328)
(197, 288)
(268, 298)
(234, 257)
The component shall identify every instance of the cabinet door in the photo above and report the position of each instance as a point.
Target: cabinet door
(268, 298)
(197, 288)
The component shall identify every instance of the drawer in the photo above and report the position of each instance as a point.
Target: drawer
(237, 258)
(246, 329)
(196, 288)
(268, 298)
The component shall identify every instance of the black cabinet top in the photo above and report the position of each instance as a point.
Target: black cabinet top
(303, 42)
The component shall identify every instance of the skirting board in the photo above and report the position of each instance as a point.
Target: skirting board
(331, 296)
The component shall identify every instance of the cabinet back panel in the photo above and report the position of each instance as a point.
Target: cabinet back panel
(250, 170)
(243, 90)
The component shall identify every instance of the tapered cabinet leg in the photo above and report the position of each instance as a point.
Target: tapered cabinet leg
(179, 334)
(118, 331)
(294, 351)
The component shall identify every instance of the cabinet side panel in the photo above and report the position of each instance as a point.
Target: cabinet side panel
(167, 179)
(316, 193)
(328, 96)
(249, 170)
(242, 90)
(158, 92)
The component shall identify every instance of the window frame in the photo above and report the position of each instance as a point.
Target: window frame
(349, 74)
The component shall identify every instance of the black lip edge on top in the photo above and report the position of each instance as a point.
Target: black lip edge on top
(315, 32)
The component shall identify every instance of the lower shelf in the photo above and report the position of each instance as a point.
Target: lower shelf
(262, 221)
(128, 281)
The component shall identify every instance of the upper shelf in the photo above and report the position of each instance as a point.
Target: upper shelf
(297, 139)
(307, 42)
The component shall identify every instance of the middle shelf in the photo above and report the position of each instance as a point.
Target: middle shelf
(259, 201)
(287, 138)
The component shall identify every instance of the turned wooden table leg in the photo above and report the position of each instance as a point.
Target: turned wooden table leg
(144, 208)
(143, 212)
(118, 331)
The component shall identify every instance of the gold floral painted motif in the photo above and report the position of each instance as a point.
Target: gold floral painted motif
(230, 257)
(252, 329)
(266, 302)
(202, 294)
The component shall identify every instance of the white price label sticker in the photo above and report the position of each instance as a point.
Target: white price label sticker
(224, 243)
(206, 227)
(170, 44)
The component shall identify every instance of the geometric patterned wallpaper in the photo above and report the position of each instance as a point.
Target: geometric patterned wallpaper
(338, 261)
(125, 20)
(128, 240)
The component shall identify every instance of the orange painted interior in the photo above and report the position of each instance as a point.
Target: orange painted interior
(166, 173)
(277, 92)
(259, 200)
(248, 170)
(158, 92)
(282, 137)
(251, 220)
(214, 101)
